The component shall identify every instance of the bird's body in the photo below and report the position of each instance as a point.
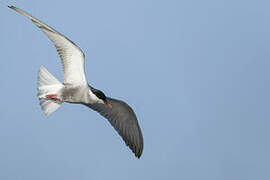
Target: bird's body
(76, 94)
(75, 89)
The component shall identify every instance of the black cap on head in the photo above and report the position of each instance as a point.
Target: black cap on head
(98, 93)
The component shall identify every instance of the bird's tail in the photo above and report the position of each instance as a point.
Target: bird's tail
(48, 86)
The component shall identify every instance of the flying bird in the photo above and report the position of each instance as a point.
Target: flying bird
(75, 89)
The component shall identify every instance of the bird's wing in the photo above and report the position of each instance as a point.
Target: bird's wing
(71, 55)
(124, 121)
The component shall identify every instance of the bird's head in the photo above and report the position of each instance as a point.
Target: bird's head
(101, 96)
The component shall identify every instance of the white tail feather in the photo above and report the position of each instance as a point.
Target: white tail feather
(48, 84)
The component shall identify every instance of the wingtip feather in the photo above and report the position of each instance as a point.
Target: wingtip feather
(12, 7)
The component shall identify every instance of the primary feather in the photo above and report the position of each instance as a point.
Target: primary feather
(71, 55)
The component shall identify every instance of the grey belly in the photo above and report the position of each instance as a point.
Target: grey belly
(74, 94)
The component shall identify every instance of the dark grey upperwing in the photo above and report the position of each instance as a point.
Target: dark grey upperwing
(124, 121)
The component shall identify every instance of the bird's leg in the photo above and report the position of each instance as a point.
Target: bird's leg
(52, 97)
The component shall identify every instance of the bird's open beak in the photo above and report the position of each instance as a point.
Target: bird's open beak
(108, 104)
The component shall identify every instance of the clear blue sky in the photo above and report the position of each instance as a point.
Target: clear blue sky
(195, 72)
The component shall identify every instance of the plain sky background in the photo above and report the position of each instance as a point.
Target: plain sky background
(195, 72)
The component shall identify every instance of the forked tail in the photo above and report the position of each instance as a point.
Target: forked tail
(48, 86)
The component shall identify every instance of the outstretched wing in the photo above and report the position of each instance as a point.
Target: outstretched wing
(71, 55)
(124, 121)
